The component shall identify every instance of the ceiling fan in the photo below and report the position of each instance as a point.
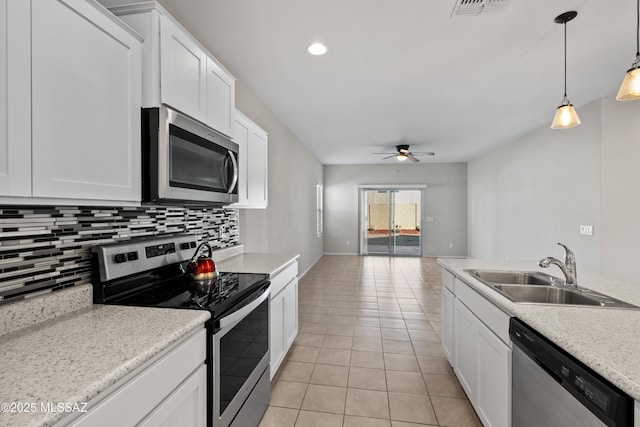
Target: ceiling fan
(403, 154)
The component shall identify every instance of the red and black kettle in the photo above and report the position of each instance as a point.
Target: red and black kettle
(201, 270)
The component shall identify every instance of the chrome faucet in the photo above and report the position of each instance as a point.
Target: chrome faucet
(568, 267)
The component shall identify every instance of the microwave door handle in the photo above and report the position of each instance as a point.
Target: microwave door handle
(234, 181)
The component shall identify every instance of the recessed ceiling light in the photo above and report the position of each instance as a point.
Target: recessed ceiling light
(317, 49)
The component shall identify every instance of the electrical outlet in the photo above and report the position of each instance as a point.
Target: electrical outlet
(586, 230)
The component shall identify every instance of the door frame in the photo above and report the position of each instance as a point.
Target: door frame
(362, 212)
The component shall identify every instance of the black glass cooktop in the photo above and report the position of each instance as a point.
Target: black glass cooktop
(171, 289)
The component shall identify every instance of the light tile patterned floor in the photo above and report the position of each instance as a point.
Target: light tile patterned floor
(368, 350)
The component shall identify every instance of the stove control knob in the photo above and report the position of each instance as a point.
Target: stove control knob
(120, 258)
(132, 256)
(184, 245)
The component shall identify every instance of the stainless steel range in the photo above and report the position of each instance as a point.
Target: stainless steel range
(150, 273)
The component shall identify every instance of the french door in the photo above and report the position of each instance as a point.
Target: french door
(390, 221)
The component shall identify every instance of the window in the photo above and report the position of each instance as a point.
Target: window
(319, 210)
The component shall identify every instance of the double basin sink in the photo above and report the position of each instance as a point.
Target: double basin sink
(532, 287)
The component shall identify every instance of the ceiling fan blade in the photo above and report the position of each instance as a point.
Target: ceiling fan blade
(424, 153)
(385, 153)
(412, 158)
(388, 157)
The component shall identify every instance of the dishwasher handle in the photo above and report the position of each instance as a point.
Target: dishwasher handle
(557, 378)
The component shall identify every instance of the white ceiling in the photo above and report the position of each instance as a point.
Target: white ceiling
(405, 71)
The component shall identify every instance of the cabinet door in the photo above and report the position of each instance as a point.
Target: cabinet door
(15, 98)
(290, 313)
(183, 71)
(447, 324)
(186, 407)
(86, 97)
(221, 98)
(276, 336)
(258, 173)
(466, 345)
(493, 399)
(241, 133)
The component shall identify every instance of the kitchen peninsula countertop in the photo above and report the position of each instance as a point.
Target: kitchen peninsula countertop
(605, 339)
(250, 262)
(76, 356)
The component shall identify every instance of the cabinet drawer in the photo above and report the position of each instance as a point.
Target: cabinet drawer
(495, 319)
(448, 280)
(129, 404)
(280, 280)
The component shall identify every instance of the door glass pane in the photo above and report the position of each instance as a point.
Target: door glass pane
(406, 214)
(379, 236)
(392, 221)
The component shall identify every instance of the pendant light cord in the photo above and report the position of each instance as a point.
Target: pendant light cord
(638, 29)
(565, 59)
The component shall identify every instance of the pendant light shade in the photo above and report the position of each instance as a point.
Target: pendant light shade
(630, 88)
(566, 116)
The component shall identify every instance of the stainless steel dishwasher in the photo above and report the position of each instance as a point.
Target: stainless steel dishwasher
(550, 388)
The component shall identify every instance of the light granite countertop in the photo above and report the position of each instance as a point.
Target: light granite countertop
(250, 262)
(75, 356)
(605, 339)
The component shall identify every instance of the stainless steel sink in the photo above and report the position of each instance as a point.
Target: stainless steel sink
(514, 277)
(531, 287)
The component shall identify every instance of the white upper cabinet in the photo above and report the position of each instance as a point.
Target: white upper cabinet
(183, 71)
(86, 97)
(178, 70)
(71, 97)
(253, 163)
(221, 98)
(15, 96)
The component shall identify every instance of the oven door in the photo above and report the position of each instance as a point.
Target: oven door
(241, 358)
(189, 162)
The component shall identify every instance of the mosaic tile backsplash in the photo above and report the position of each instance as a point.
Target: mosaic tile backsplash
(43, 249)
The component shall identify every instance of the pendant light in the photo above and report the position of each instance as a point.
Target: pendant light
(630, 88)
(566, 116)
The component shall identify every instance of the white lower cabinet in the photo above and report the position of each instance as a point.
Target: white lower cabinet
(636, 414)
(283, 319)
(171, 390)
(481, 358)
(465, 363)
(185, 406)
(448, 299)
(493, 394)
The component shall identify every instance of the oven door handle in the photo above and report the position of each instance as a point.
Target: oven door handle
(238, 315)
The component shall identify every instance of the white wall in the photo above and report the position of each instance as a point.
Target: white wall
(536, 191)
(620, 209)
(288, 225)
(526, 196)
(445, 201)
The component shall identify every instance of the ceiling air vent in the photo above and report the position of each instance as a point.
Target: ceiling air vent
(476, 7)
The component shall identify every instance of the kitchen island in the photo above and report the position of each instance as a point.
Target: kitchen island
(605, 339)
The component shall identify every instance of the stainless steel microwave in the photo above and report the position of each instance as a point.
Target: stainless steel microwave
(185, 162)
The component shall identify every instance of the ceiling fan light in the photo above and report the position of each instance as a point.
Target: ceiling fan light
(566, 117)
(630, 87)
(401, 156)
